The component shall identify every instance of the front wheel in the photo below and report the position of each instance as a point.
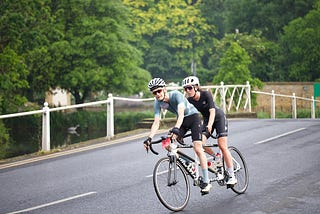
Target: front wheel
(171, 184)
(240, 171)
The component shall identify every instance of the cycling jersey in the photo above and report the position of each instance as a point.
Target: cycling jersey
(204, 104)
(191, 118)
(175, 98)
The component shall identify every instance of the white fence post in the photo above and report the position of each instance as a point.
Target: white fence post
(273, 105)
(248, 92)
(294, 106)
(110, 117)
(313, 108)
(46, 128)
(223, 96)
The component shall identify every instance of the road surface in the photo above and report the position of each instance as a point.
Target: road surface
(283, 157)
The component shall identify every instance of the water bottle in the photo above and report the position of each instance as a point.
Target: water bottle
(218, 160)
(212, 165)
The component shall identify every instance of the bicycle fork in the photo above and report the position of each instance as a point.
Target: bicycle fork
(172, 180)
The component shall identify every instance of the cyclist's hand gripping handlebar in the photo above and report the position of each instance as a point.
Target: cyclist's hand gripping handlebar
(148, 144)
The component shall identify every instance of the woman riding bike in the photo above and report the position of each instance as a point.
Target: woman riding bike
(213, 119)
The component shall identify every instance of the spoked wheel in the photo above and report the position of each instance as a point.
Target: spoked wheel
(172, 186)
(240, 171)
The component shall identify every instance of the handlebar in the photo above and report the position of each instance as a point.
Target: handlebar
(155, 142)
(168, 136)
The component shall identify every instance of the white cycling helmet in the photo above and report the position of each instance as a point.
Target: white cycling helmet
(191, 80)
(156, 83)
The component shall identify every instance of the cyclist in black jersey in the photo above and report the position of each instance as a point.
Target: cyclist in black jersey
(213, 119)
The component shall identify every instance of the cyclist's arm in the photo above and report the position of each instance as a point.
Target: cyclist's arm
(211, 118)
(155, 126)
(181, 109)
(212, 110)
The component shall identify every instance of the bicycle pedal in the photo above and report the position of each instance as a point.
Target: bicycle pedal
(230, 186)
(204, 193)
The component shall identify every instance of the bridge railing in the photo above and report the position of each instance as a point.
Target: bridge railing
(294, 98)
(231, 97)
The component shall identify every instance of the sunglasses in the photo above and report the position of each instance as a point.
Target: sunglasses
(188, 88)
(157, 92)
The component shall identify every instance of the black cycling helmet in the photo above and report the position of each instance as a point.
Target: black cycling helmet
(156, 83)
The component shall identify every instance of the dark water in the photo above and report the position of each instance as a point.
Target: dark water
(26, 137)
(68, 137)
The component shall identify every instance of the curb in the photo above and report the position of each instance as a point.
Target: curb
(75, 150)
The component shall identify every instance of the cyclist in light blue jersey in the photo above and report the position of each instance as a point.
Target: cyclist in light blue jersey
(175, 98)
(187, 118)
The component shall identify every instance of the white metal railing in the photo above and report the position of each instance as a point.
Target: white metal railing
(231, 96)
(294, 103)
(46, 116)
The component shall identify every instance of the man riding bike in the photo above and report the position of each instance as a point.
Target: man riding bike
(187, 118)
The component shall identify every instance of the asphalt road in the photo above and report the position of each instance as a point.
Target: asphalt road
(283, 157)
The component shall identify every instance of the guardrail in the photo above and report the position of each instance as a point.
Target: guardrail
(235, 97)
(46, 116)
(232, 97)
(294, 98)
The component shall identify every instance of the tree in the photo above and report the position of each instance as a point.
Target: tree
(16, 38)
(178, 26)
(267, 16)
(234, 67)
(95, 53)
(300, 46)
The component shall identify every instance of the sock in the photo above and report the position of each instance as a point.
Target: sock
(205, 176)
(230, 171)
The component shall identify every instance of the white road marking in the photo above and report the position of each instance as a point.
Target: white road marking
(278, 136)
(149, 176)
(53, 203)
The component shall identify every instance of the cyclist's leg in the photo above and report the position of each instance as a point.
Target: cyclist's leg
(194, 123)
(221, 125)
(223, 145)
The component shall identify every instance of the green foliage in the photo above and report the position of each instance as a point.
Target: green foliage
(25, 136)
(263, 115)
(12, 81)
(98, 50)
(301, 113)
(266, 16)
(4, 140)
(234, 67)
(126, 121)
(171, 34)
(300, 44)
(91, 46)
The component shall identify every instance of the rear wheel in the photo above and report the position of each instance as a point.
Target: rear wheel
(171, 184)
(240, 171)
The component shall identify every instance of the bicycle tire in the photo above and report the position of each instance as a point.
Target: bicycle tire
(175, 197)
(240, 171)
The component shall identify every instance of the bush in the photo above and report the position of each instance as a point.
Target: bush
(126, 121)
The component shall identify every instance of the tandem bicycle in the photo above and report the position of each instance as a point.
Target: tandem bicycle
(170, 174)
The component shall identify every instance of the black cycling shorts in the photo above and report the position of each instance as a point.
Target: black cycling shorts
(192, 122)
(220, 125)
